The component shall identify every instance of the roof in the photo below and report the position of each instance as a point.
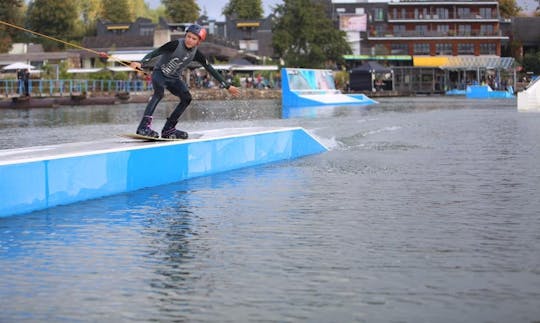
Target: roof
(18, 66)
(118, 41)
(99, 69)
(473, 62)
(6, 59)
(371, 67)
(466, 62)
(133, 56)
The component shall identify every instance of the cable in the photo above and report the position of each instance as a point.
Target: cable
(100, 54)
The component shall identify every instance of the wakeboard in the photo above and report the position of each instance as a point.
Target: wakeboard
(147, 138)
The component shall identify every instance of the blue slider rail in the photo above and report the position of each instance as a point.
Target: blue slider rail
(70, 173)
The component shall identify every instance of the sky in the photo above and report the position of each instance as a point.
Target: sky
(528, 5)
(215, 7)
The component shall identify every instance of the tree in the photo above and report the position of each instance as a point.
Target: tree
(304, 37)
(509, 8)
(10, 12)
(117, 11)
(244, 9)
(182, 11)
(531, 62)
(53, 18)
(140, 9)
(90, 11)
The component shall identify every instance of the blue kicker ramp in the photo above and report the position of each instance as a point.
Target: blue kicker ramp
(37, 178)
(311, 87)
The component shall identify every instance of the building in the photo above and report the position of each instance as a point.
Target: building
(431, 28)
(253, 36)
(442, 44)
(525, 33)
(131, 41)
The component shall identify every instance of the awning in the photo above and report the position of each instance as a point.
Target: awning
(244, 68)
(18, 66)
(117, 27)
(475, 62)
(377, 57)
(127, 57)
(239, 68)
(252, 24)
(83, 70)
(464, 62)
(429, 61)
(121, 69)
(221, 67)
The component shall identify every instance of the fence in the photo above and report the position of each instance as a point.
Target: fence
(9, 88)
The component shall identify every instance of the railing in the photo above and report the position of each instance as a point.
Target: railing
(412, 16)
(450, 33)
(9, 88)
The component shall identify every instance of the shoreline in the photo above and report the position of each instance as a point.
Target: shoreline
(108, 98)
(130, 97)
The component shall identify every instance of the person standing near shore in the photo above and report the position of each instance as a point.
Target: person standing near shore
(26, 80)
(174, 58)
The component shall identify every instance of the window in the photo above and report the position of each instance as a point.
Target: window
(465, 49)
(443, 49)
(464, 13)
(249, 45)
(486, 30)
(421, 30)
(399, 30)
(378, 14)
(464, 30)
(443, 29)
(397, 49)
(147, 31)
(380, 29)
(442, 13)
(421, 49)
(486, 13)
(488, 49)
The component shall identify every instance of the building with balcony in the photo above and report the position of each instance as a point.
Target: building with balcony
(439, 28)
(431, 28)
(444, 44)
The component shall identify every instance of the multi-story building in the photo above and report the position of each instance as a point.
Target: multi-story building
(439, 28)
(460, 40)
(413, 27)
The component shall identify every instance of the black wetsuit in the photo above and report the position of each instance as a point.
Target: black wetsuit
(175, 57)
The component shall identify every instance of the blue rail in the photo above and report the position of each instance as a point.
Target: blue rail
(42, 177)
(45, 87)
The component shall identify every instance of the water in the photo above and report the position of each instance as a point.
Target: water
(423, 210)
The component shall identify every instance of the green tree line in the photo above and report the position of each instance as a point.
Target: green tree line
(302, 34)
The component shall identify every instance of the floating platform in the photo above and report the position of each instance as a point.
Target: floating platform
(311, 87)
(486, 92)
(37, 178)
(27, 102)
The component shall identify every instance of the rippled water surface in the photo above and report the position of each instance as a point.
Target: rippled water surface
(423, 210)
